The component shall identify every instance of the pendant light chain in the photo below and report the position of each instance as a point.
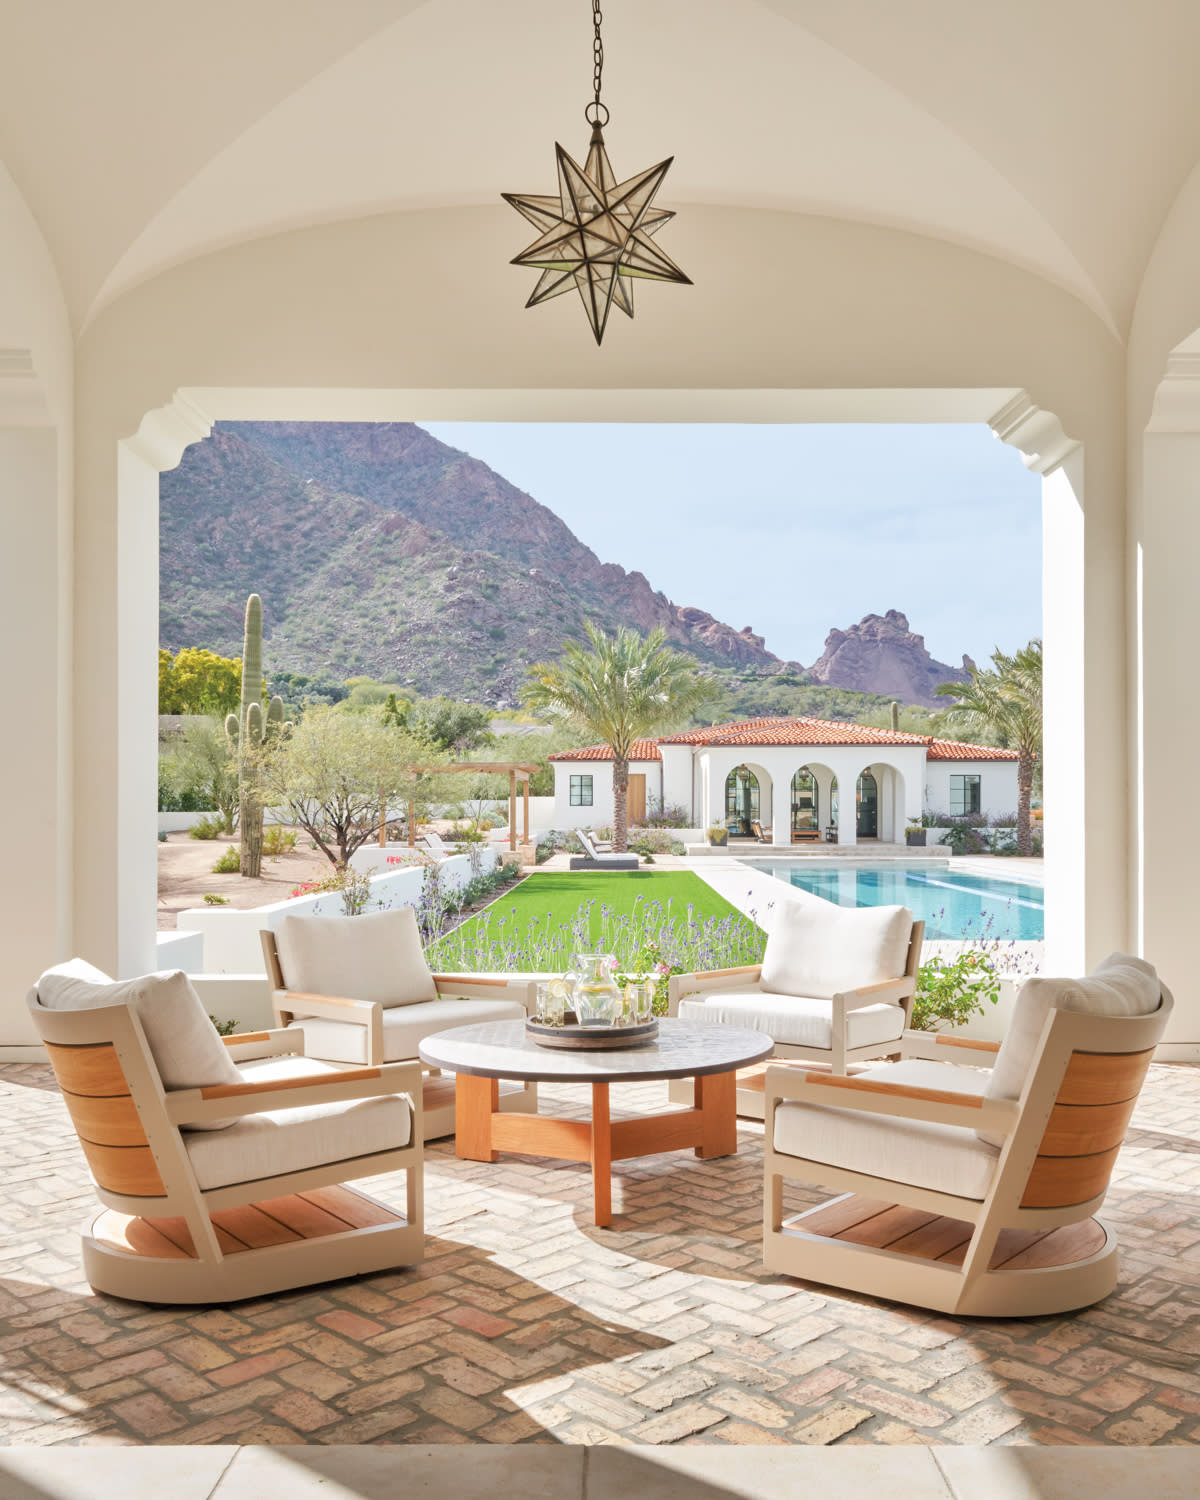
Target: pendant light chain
(597, 48)
(596, 114)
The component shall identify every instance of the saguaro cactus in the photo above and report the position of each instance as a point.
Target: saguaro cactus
(247, 730)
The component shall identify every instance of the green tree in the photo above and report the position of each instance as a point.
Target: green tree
(203, 760)
(195, 681)
(1005, 702)
(395, 712)
(627, 687)
(453, 727)
(331, 772)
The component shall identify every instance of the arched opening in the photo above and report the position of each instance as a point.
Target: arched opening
(867, 806)
(742, 802)
(806, 806)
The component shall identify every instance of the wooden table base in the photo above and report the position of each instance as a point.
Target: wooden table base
(482, 1131)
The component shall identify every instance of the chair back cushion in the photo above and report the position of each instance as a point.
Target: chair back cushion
(824, 950)
(183, 1041)
(375, 957)
(1120, 985)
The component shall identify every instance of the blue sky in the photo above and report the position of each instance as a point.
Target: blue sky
(796, 529)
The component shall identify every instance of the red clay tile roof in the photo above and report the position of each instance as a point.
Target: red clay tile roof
(952, 750)
(788, 731)
(642, 750)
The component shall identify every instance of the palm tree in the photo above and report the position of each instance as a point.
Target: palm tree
(1006, 703)
(626, 688)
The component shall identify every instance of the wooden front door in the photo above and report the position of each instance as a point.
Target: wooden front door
(635, 799)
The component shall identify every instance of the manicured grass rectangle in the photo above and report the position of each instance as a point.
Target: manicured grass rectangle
(644, 917)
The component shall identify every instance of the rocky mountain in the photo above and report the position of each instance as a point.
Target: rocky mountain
(882, 655)
(379, 550)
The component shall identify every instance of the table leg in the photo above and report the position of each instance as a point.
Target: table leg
(601, 1156)
(716, 1099)
(476, 1100)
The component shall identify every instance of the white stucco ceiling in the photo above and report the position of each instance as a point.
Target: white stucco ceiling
(1051, 133)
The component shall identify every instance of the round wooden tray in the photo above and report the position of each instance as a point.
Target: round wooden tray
(575, 1038)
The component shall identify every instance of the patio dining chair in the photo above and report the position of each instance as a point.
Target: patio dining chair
(360, 992)
(835, 985)
(221, 1164)
(970, 1192)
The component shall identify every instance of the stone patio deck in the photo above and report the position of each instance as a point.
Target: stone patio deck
(528, 1325)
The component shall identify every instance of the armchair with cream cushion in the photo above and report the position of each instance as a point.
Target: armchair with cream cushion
(220, 1162)
(361, 992)
(835, 985)
(968, 1191)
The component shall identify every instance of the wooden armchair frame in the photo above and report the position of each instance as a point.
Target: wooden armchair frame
(438, 1115)
(161, 1237)
(1032, 1245)
(898, 991)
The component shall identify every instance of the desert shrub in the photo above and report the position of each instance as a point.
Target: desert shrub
(277, 839)
(963, 836)
(1004, 820)
(212, 899)
(229, 863)
(224, 1028)
(667, 815)
(207, 828)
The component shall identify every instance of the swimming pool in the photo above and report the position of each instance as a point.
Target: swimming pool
(953, 904)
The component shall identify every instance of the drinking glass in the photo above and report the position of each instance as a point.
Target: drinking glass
(645, 1003)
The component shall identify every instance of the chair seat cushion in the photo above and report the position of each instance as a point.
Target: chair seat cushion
(946, 1158)
(405, 1027)
(294, 1140)
(795, 1021)
(825, 950)
(377, 957)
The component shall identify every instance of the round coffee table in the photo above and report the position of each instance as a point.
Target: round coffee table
(481, 1055)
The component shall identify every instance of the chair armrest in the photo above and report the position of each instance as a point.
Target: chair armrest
(245, 1046)
(709, 981)
(223, 1100)
(953, 1049)
(486, 987)
(327, 1007)
(887, 991)
(876, 1096)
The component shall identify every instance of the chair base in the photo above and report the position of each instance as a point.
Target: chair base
(321, 1235)
(751, 1098)
(906, 1255)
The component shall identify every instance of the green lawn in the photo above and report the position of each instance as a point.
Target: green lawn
(641, 916)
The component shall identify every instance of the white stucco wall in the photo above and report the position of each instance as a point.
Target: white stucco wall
(997, 784)
(600, 814)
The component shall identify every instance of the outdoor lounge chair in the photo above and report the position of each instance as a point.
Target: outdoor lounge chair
(598, 859)
(835, 986)
(969, 1192)
(761, 834)
(360, 991)
(220, 1164)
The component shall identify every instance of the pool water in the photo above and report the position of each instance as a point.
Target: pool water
(953, 905)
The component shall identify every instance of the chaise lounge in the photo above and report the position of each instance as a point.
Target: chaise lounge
(596, 859)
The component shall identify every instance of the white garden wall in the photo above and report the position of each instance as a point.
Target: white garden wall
(231, 938)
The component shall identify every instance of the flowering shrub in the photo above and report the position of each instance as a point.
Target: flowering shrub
(667, 815)
(651, 941)
(952, 990)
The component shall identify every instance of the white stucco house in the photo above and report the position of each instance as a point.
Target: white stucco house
(793, 776)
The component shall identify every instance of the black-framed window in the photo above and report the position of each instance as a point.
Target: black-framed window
(964, 796)
(581, 791)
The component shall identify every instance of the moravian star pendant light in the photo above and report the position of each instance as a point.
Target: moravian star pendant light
(598, 233)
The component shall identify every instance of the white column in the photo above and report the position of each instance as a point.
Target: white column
(1170, 721)
(35, 750)
(781, 829)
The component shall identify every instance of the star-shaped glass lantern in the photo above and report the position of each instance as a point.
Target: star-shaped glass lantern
(598, 234)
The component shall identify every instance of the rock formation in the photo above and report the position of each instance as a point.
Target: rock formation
(882, 655)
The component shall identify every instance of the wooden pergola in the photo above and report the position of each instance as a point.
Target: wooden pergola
(516, 770)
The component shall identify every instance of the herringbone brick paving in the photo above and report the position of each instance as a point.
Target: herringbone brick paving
(527, 1324)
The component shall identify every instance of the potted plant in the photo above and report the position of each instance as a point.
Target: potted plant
(914, 834)
(718, 835)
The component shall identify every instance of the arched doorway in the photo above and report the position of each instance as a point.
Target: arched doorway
(868, 806)
(806, 812)
(741, 801)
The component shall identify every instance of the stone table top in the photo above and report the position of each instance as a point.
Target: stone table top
(682, 1049)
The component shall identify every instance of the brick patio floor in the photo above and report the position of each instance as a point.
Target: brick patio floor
(527, 1324)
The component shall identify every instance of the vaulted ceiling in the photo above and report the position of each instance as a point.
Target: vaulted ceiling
(1054, 134)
